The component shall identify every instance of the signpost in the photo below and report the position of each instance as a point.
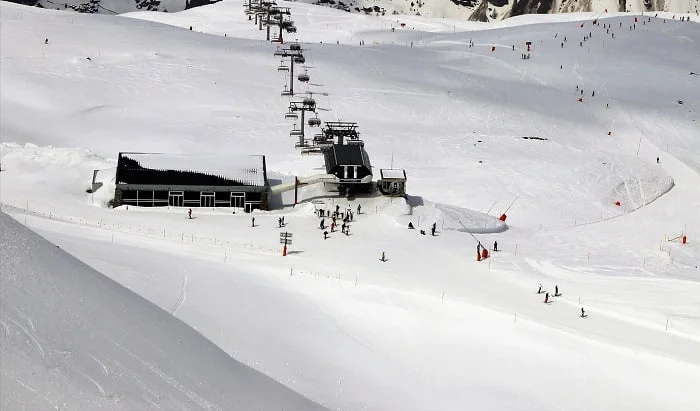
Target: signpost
(286, 239)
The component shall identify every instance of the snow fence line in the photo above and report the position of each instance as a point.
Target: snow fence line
(147, 232)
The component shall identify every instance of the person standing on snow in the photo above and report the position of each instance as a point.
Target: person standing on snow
(323, 224)
(546, 298)
(359, 207)
(495, 246)
(189, 213)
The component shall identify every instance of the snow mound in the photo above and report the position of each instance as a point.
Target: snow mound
(446, 217)
(72, 338)
(633, 185)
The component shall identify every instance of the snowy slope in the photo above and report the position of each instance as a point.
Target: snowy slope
(74, 339)
(494, 10)
(431, 328)
(119, 6)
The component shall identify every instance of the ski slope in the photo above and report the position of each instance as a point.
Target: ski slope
(73, 338)
(431, 328)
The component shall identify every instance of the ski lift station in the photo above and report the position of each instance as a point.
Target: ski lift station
(158, 180)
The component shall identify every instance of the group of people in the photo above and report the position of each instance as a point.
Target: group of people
(346, 217)
(547, 299)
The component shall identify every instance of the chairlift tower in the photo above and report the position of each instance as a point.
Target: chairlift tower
(295, 56)
(301, 106)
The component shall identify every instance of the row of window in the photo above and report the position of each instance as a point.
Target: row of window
(143, 198)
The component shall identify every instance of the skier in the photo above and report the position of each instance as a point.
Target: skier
(283, 223)
(252, 221)
(432, 229)
(279, 222)
(342, 228)
(593, 93)
(46, 40)
(359, 207)
(546, 298)
(410, 226)
(657, 160)
(323, 224)
(495, 246)
(325, 235)
(583, 313)
(189, 213)
(332, 227)
(383, 256)
(539, 290)
(556, 291)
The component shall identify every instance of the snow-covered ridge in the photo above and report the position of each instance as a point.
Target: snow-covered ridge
(116, 6)
(73, 338)
(490, 10)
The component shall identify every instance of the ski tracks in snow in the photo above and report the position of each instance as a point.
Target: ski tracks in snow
(182, 297)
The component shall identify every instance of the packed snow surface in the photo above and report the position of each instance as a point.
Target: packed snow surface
(74, 339)
(563, 146)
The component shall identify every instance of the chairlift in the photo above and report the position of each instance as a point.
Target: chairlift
(314, 122)
(282, 67)
(304, 78)
(291, 29)
(295, 46)
(291, 116)
(295, 133)
(308, 101)
(286, 92)
(299, 59)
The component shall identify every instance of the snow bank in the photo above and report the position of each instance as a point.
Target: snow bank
(72, 338)
(424, 213)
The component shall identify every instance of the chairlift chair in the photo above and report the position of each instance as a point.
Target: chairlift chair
(295, 133)
(309, 102)
(286, 92)
(291, 116)
(299, 59)
(282, 67)
(295, 46)
(291, 29)
(304, 78)
(314, 122)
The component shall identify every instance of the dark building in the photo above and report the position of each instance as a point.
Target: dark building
(392, 182)
(158, 180)
(350, 165)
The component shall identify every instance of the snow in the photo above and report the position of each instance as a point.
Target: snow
(431, 328)
(249, 170)
(74, 339)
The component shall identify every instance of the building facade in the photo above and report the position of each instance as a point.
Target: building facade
(159, 180)
(350, 165)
